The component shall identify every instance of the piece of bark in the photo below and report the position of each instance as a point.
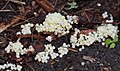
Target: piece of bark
(46, 5)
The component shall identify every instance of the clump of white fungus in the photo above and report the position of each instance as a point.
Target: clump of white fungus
(102, 32)
(10, 67)
(54, 22)
(17, 47)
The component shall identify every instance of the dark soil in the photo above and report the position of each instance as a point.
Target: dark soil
(105, 60)
(96, 57)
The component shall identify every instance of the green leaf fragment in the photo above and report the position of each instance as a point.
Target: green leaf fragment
(115, 39)
(112, 45)
(108, 41)
(72, 5)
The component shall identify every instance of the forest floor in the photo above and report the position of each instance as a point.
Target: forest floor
(99, 58)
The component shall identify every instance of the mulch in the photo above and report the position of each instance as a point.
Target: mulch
(96, 57)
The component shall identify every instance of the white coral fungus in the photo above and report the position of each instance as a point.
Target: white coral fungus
(102, 32)
(11, 67)
(54, 22)
(17, 47)
(45, 55)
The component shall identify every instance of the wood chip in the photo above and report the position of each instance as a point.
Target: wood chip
(89, 58)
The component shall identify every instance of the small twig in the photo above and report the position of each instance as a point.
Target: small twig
(1, 42)
(84, 10)
(71, 49)
(5, 5)
(6, 11)
(118, 2)
(19, 23)
(13, 21)
(29, 35)
(22, 22)
(30, 66)
(12, 9)
(56, 2)
(87, 16)
(87, 31)
(18, 2)
(61, 8)
(64, 12)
